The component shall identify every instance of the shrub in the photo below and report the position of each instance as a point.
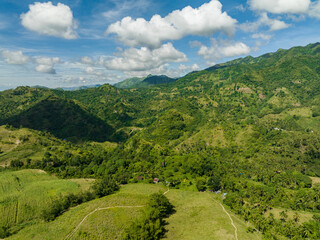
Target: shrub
(104, 187)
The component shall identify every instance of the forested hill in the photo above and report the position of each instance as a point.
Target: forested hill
(243, 89)
(249, 126)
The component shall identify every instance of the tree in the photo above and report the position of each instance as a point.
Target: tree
(105, 186)
(214, 183)
(161, 202)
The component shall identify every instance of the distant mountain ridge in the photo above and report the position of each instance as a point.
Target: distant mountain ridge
(145, 81)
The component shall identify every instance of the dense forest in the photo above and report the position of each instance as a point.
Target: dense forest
(248, 128)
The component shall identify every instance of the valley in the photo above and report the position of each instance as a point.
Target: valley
(237, 143)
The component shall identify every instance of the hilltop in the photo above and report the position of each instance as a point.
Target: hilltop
(148, 81)
(249, 127)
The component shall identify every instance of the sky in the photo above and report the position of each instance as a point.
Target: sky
(69, 43)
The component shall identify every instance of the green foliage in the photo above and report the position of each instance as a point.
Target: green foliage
(104, 187)
(151, 225)
(64, 203)
(245, 127)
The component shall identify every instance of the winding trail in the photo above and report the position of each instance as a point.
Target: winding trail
(99, 209)
(232, 223)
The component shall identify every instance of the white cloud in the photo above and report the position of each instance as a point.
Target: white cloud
(240, 8)
(280, 6)
(221, 50)
(125, 7)
(165, 69)
(48, 19)
(264, 20)
(86, 60)
(92, 71)
(262, 36)
(46, 65)
(143, 59)
(203, 21)
(314, 10)
(14, 57)
(45, 69)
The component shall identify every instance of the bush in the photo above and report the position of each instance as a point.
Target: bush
(104, 187)
(151, 226)
(61, 205)
(4, 232)
(16, 164)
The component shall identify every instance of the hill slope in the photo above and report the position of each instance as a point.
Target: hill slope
(110, 224)
(64, 119)
(25, 194)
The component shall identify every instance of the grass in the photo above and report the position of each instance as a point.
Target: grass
(197, 216)
(303, 216)
(104, 224)
(19, 144)
(25, 194)
(315, 180)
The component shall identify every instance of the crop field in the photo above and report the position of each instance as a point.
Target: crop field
(25, 194)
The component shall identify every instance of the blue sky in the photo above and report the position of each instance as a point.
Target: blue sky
(82, 42)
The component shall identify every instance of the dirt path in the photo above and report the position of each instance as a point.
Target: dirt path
(99, 209)
(232, 223)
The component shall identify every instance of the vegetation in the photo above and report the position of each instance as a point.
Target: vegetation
(26, 194)
(151, 225)
(246, 128)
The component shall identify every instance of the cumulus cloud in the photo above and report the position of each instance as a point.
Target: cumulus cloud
(46, 65)
(262, 36)
(14, 57)
(221, 50)
(86, 60)
(143, 59)
(264, 20)
(165, 69)
(314, 10)
(280, 6)
(48, 19)
(202, 21)
(92, 71)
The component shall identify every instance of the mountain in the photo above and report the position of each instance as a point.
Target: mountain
(64, 119)
(155, 80)
(144, 82)
(129, 83)
(248, 127)
(80, 88)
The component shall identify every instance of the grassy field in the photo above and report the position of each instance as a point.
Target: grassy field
(200, 216)
(25, 194)
(19, 144)
(197, 216)
(103, 224)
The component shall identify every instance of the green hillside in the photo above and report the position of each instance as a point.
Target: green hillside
(248, 127)
(23, 146)
(196, 215)
(64, 119)
(25, 194)
(129, 82)
(148, 81)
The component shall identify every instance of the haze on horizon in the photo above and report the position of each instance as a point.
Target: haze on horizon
(75, 43)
